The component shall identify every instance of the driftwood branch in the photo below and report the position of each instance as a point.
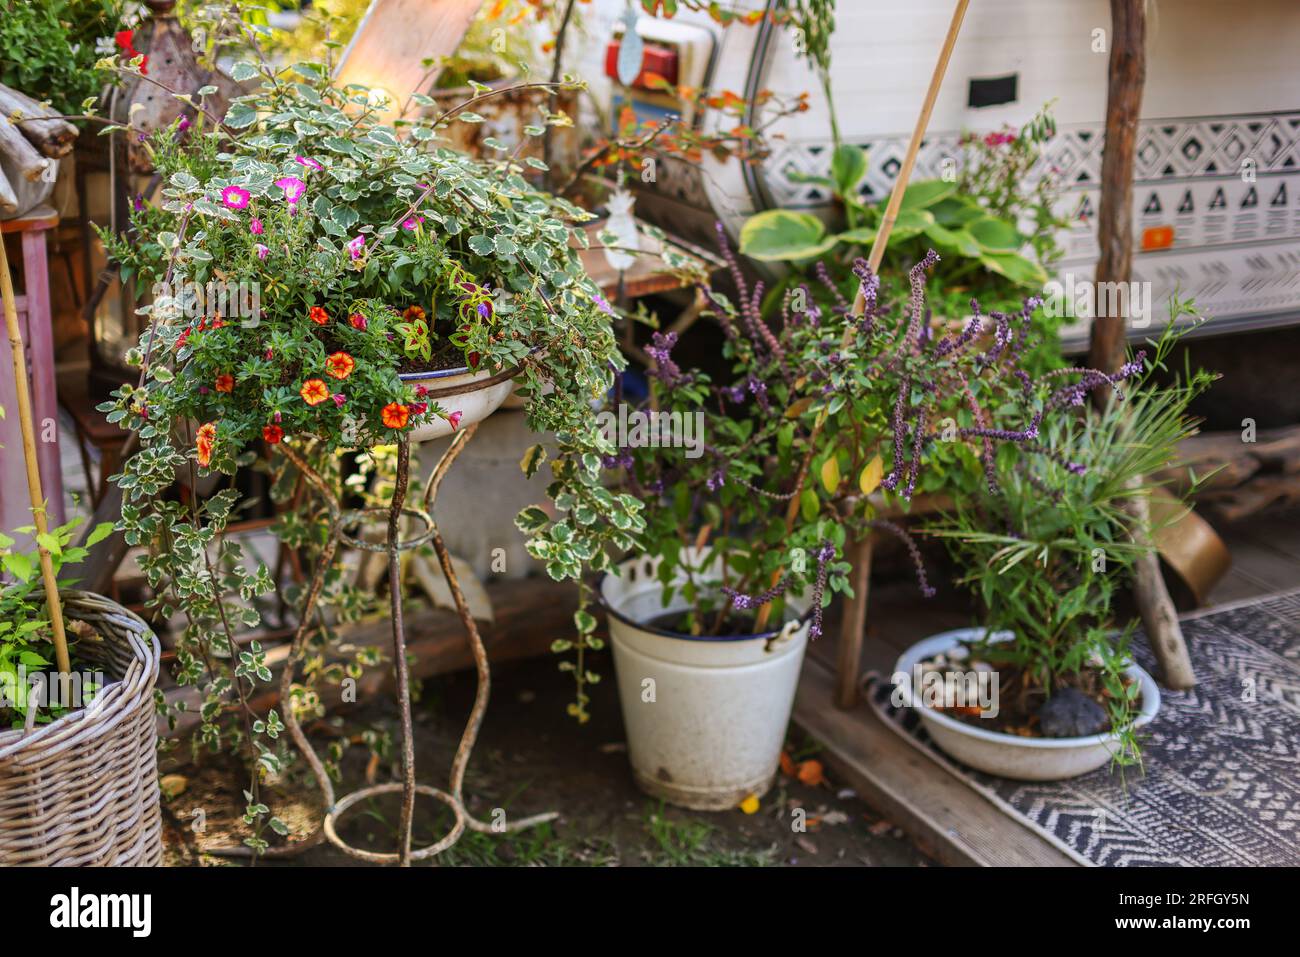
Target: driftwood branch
(53, 136)
(1115, 237)
(8, 198)
(18, 158)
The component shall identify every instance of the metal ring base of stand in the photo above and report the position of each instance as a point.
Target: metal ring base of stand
(383, 857)
(357, 515)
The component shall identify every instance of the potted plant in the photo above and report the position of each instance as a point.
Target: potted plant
(326, 282)
(752, 488)
(1047, 554)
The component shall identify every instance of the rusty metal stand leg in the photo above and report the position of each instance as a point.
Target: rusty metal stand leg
(453, 798)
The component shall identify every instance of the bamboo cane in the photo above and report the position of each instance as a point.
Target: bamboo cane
(878, 254)
(23, 390)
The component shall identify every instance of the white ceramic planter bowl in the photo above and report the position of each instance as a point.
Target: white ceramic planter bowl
(1008, 755)
(473, 406)
(705, 717)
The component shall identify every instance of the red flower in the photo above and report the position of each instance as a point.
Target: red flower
(314, 392)
(318, 315)
(225, 382)
(272, 433)
(125, 39)
(204, 441)
(358, 321)
(395, 415)
(340, 365)
(413, 313)
(419, 408)
(454, 419)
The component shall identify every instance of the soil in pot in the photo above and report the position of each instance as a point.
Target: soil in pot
(1079, 704)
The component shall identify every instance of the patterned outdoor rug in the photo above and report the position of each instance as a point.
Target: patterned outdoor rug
(1222, 761)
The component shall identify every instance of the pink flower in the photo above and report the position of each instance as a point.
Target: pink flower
(357, 247)
(184, 124)
(255, 226)
(339, 399)
(411, 222)
(262, 251)
(307, 162)
(235, 197)
(454, 419)
(293, 188)
(358, 321)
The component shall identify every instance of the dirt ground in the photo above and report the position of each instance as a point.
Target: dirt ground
(531, 757)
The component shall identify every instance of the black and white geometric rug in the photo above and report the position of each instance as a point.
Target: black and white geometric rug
(1221, 779)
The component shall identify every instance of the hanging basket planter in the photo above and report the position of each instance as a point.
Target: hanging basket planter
(83, 790)
(468, 397)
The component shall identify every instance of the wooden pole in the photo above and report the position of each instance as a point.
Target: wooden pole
(23, 391)
(913, 147)
(1107, 337)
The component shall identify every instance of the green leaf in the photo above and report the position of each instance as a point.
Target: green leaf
(20, 566)
(783, 234)
(948, 239)
(1018, 269)
(910, 223)
(240, 115)
(848, 168)
(926, 193)
(532, 520)
(995, 235)
(809, 505)
(243, 71)
(956, 210)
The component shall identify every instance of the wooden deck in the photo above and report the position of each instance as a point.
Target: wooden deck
(947, 819)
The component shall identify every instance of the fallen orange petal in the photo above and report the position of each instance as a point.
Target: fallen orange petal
(811, 774)
(750, 804)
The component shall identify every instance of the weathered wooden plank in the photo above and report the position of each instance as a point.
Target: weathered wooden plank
(947, 819)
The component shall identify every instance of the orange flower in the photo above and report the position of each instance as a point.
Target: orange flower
(395, 415)
(413, 312)
(204, 440)
(340, 365)
(272, 434)
(225, 382)
(314, 392)
(318, 315)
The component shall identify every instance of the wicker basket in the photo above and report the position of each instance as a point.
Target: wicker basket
(83, 790)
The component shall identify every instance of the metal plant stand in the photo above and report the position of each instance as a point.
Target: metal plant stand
(453, 798)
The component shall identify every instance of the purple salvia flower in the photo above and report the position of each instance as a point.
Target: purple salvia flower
(891, 480)
(906, 539)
